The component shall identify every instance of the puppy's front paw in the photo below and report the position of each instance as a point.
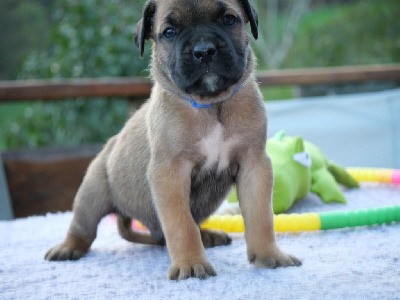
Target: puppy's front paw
(185, 271)
(274, 260)
(73, 248)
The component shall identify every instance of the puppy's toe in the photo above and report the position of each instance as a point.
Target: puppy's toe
(200, 272)
(212, 238)
(184, 272)
(296, 262)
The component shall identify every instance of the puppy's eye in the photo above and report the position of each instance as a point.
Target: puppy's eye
(169, 32)
(229, 20)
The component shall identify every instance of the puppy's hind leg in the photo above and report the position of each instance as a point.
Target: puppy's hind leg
(91, 204)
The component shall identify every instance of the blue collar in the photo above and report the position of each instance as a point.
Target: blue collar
(194, 104)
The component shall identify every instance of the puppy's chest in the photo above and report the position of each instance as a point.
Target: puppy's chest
(216, 148)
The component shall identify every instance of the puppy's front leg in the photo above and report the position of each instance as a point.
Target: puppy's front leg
(254, 187)
(170, 185)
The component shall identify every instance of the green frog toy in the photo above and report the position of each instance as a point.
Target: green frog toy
(300, 167)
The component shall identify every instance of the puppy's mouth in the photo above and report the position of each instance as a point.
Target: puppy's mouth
(210, 84)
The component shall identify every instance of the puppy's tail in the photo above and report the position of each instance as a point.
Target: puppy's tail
(126, 232)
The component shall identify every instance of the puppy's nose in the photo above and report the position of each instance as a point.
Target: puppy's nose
(204, 52)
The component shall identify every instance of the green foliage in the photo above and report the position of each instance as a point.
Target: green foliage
(66, 123)
(362, 33)
(23, 26)
(9, 111)
(277, 92)
(91, 38)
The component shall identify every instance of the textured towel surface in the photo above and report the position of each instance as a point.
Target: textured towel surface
(357, 263)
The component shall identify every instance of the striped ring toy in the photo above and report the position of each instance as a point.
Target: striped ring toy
(324, 220)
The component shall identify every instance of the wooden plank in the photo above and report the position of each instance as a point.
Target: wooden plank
(135, 87)
(45, 180)
(329, 75)
(65, 88)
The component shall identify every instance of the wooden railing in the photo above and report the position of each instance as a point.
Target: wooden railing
(135, 87)
(46, 180)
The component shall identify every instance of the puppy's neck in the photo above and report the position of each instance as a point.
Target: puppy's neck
(196, 105)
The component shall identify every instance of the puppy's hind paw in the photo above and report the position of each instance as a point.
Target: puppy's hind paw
(280, 260)
(61, 252)
(212, 238)
(73, 248)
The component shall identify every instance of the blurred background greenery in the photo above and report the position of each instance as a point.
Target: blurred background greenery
(94, 38)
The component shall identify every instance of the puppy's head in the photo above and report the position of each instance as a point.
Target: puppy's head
(200, 46)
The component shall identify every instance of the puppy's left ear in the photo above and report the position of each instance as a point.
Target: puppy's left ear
(252, 16)
(144, 26)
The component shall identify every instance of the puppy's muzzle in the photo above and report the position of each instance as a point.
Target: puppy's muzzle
(205, 52)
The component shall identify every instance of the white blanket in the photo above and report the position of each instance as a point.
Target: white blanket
(353, 263)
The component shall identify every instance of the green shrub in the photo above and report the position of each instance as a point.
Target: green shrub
(91, 38)
(23, 25)
(366, 32)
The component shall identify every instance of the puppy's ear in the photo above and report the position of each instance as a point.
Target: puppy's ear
(252, 16)
(144, 26)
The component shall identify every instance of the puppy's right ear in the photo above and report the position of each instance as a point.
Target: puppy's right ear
(144, 26)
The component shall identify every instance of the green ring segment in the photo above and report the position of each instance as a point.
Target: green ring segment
(361, 217)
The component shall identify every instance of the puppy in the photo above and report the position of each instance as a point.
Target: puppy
(202, 131)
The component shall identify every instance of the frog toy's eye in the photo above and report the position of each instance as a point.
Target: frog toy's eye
(303, 158)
